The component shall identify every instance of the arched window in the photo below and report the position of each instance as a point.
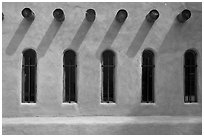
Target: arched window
(108, 69)
(190, 68)
(148, 76)
(69, 66)
(29, 67)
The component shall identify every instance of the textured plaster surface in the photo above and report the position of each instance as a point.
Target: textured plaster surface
(103, 125)
(166, 37)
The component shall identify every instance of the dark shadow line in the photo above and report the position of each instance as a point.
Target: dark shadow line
(80, 35)
(109, 37)
(48, 38)
(139, 39)
(18, 36)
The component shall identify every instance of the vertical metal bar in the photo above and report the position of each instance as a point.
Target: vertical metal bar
(35, 82)
(69, 84)
(64, 83)
(108, 80)
(195, 76)
(152, 78)
(102, 71)
(75, 82)
(142, 85)
(190, 87)
(29, 81)
(23, 83)
(147, 76)
(113, 81)
(153, 81)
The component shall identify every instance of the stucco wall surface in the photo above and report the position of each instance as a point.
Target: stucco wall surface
(168, 38)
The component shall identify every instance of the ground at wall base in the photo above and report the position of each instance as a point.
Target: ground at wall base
(110, 125)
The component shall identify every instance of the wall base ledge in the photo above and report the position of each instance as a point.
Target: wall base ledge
(103, 125)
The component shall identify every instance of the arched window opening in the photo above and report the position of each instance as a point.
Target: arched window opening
(108, 75)
(190, 68)
(69, 66)
(148, 76)
(29, 67)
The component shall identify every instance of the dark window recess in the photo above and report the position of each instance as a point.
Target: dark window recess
(29, 68)
(108, 69)
(190, 68)
(69, 76)
(148, 76)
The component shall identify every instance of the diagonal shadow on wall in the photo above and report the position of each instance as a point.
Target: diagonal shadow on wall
(182, 36)
(172, 39)
(139, 39)
(80, 35)
(18, 37)
(109, 37)
(48, 37)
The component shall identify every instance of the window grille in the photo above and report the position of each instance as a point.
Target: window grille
(29, 68)
(190, 68)
(148, 76)
(108, 72)
(69, 76)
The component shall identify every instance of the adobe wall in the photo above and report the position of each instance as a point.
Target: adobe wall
(166, 37)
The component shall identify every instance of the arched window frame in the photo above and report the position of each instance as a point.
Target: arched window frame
(69, 96)
(107, 96)
(29, 76)
(148, 95)
(193, 72)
